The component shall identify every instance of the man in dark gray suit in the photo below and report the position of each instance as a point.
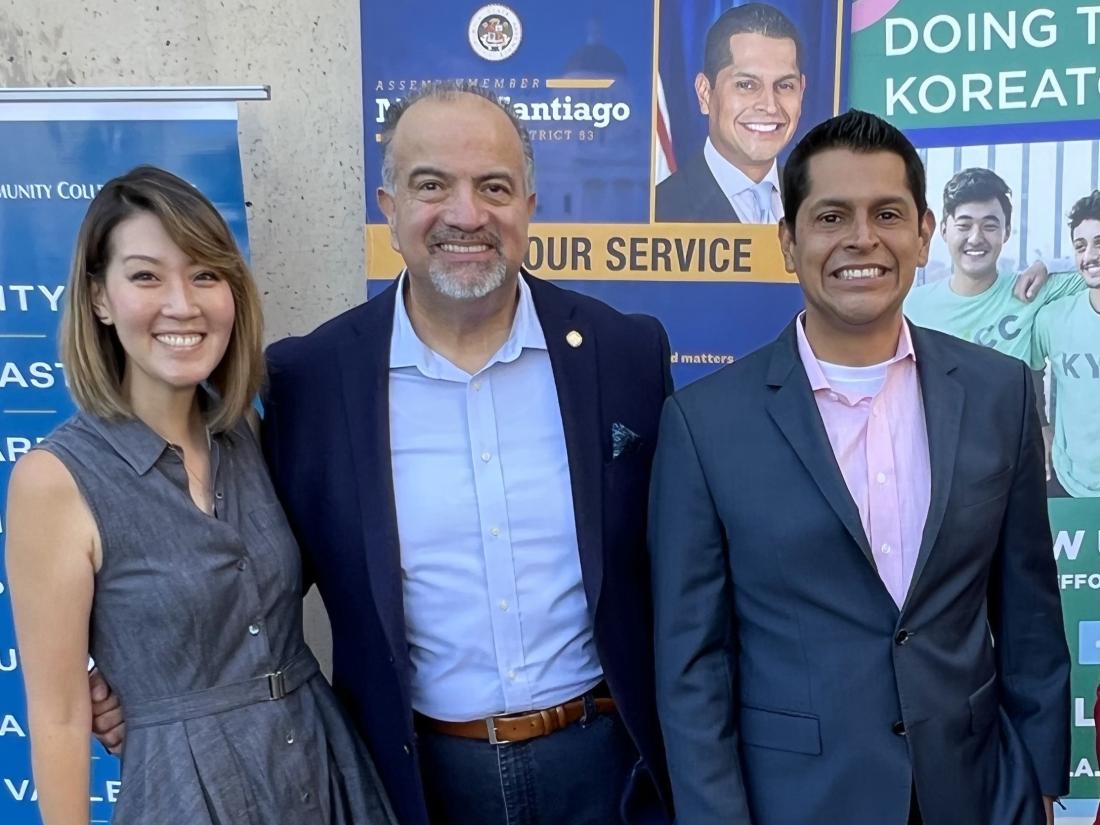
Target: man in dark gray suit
(856, 610)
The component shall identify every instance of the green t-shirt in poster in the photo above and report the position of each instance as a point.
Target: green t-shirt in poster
(1067, 332)
(996, 318)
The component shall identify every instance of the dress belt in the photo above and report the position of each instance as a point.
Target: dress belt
(519, 727)
(221, 698)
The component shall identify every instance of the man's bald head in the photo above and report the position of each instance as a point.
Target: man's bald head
(450, 90)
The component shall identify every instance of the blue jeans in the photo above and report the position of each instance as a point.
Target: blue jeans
(574, 776)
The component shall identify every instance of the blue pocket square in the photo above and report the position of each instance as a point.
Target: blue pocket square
(623, 439)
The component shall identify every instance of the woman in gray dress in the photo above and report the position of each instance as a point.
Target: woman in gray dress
(145, 531)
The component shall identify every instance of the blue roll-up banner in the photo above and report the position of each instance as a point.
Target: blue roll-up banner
(56, 157)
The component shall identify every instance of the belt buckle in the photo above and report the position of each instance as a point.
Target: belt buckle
(276, 683)
(490, 725)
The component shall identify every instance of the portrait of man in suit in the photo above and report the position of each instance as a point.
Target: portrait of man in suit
(856, 611)
(750, 90)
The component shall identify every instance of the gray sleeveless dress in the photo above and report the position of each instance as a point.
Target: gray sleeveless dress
(197, 626)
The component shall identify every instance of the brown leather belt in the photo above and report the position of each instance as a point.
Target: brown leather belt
(519, 727)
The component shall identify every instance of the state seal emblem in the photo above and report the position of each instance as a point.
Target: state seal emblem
(495, 32)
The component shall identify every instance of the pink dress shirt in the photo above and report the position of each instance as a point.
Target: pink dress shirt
(881, 445)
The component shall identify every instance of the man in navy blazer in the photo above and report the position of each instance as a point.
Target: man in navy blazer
(379, 507)
(856, 611)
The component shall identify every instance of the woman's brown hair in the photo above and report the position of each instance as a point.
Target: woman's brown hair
(90, 350)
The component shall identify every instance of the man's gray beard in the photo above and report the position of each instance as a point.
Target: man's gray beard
(467, 289)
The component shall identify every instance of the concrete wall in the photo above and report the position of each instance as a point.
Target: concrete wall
(301, 152)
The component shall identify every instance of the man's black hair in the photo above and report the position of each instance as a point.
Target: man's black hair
(1086, 209)
(751, 18)
(858, 132)
(974, 185)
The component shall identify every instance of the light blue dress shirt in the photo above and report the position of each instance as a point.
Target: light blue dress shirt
(495, 611)
(739, 189)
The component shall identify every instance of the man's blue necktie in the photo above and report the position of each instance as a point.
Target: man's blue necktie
(762, 194)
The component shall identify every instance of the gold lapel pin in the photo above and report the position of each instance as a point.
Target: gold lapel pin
(574, 338)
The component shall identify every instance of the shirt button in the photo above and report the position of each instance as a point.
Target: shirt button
(254, 629)
(306, 796)
(881, 478)
(477, 385)
(886, 548)
(834, 397)
(495, 531)
(876, 410)
(504, 604)
(290, 738)
(512, 675)
(485, 456)
(242, 564)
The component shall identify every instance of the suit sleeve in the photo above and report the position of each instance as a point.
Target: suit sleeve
(1026, 614)
(696, 661)
(666, 358)
(268, 422)
(272, 441)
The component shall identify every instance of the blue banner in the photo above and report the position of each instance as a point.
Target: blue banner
(56, 157)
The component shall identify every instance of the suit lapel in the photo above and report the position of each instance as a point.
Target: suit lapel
(795, 412)
(576, 377)
(712, 200)
(944, 398)
(364, 367)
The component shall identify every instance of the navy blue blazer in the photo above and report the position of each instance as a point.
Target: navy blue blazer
(692, 195)
(326, 437)
(791, 688)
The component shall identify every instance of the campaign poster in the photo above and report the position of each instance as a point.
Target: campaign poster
(56, 157)
(1003, 102)
(620, 98)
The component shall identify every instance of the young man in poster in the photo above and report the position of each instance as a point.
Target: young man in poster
(977, 303)
(856, 611)
(1067, 333)
(750, 89)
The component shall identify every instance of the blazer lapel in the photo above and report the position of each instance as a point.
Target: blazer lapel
(364, 367)
(795, 412)
(712, 201)
(944, 399)
(576, 376)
